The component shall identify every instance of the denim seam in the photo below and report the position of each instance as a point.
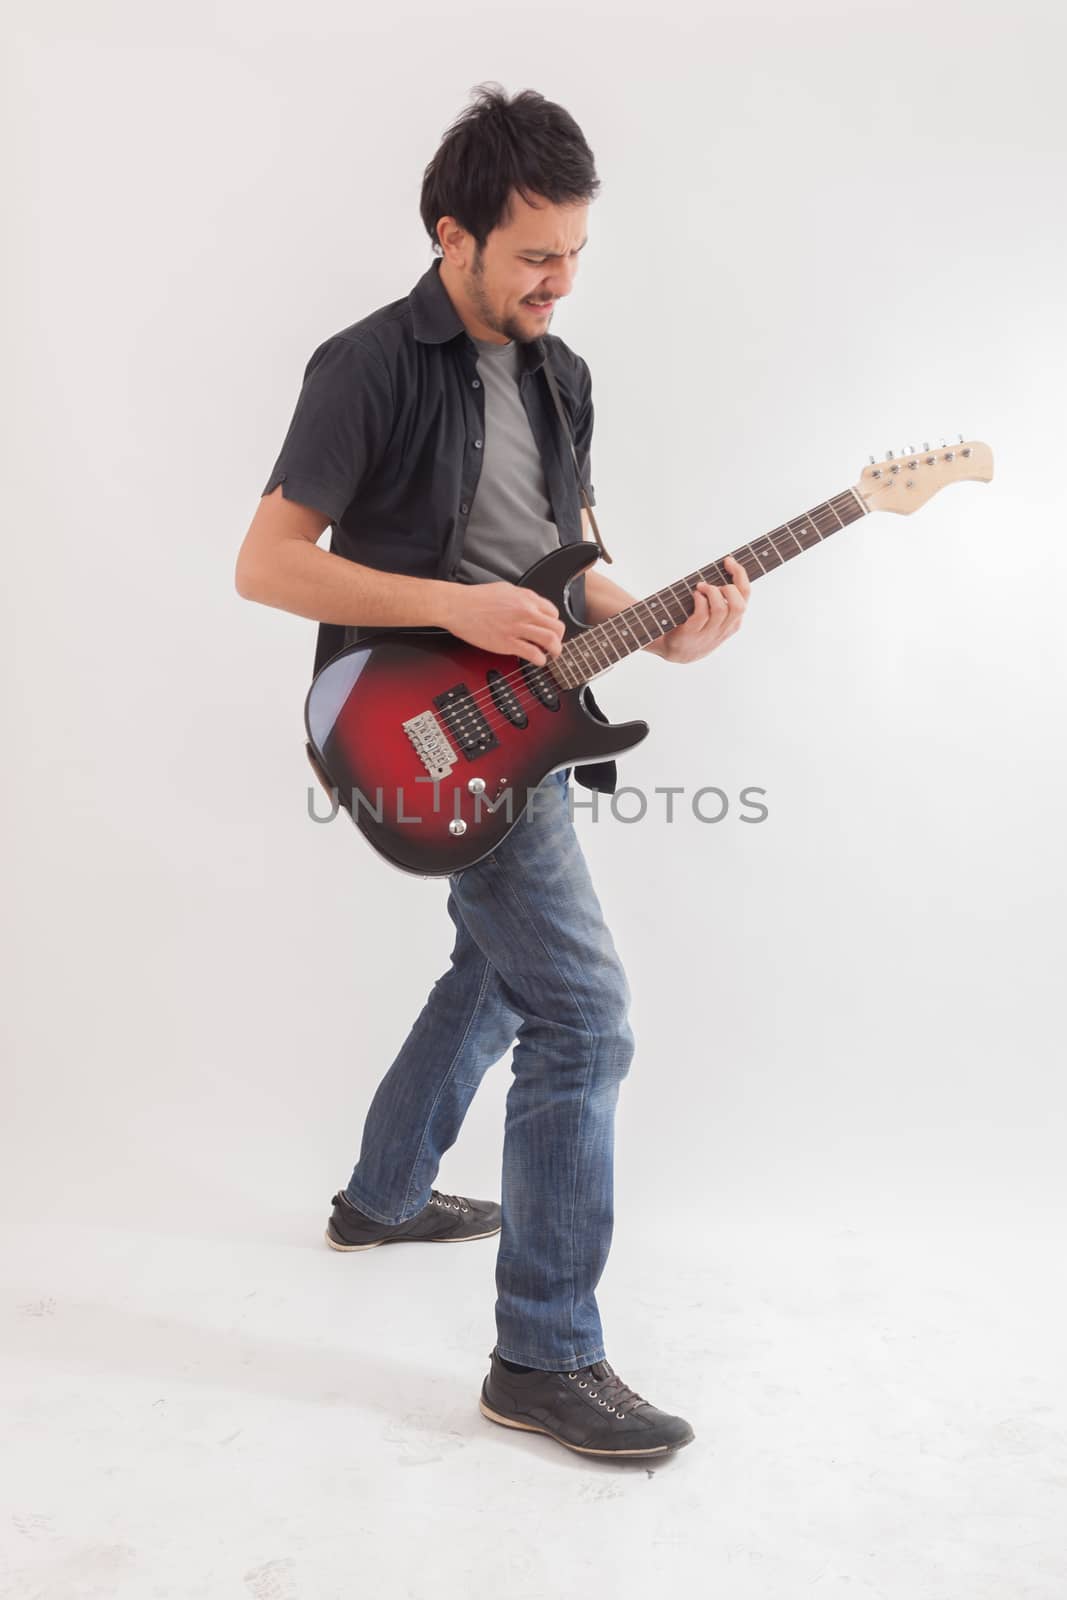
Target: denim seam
(590, 1054)
(475, 1008)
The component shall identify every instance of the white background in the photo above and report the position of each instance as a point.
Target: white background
(821, 234)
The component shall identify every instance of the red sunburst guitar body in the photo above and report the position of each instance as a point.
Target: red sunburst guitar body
(434, 746)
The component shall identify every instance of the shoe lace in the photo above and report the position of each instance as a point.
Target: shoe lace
(610, 1391)
(454, 1202)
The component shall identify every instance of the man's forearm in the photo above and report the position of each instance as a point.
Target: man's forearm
(317, 584)
(604, 599)
(324, 587)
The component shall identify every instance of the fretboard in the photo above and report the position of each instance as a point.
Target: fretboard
(598, 647)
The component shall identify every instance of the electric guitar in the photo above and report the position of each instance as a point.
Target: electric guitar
(434, 746)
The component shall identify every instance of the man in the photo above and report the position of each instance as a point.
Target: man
(425, 434)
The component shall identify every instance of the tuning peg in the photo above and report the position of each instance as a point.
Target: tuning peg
(926, 444)
(942, 444)
(889, 455)
(961, 438)
(911, 449)
(871, 460)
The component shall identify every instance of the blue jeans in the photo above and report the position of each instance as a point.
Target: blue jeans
(532, 965)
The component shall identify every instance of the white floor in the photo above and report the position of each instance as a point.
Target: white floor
(877, 1414)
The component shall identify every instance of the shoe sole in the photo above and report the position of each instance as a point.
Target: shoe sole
(334, 1245)
(582, 1449)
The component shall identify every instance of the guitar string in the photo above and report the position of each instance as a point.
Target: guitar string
(484, 701)
(581, 643)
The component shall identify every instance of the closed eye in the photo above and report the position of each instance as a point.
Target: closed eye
(547, 255)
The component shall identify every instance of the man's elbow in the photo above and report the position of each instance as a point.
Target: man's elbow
(246, 576)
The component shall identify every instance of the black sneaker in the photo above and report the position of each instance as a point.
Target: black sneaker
(445, 1219)
(590, 1410)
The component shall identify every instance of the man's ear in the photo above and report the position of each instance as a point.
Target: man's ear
(451, 236)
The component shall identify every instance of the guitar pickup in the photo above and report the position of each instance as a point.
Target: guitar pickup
(467, 726)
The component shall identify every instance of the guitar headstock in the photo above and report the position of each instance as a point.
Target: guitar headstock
(905, 482)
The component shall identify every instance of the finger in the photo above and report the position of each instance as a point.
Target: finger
(698, 617)
(542, 634)
(539, 628)
(726, 615)
(545, 619)
(730, 595)
(735, 600)
(741, 579)
(529, 652)
(716, 602)
(735, 621)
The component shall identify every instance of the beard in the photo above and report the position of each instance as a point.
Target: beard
(510, 326)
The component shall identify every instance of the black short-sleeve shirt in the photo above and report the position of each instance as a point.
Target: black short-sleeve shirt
(387, 441)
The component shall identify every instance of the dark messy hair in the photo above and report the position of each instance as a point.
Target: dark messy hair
(499, 144)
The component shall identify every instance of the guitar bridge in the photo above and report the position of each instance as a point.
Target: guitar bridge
(431, 744)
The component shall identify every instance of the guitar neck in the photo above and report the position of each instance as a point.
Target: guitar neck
(604, 643)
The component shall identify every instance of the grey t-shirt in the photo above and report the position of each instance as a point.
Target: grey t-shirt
(510, 524)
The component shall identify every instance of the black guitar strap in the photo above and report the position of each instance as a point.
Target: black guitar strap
(554, 387)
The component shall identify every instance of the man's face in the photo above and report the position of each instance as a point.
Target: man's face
(530, 258)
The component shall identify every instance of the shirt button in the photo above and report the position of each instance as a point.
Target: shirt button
(464, 508)
(476, 384)
(477, 444)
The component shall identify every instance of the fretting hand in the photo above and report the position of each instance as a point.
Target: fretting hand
(718, 610)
